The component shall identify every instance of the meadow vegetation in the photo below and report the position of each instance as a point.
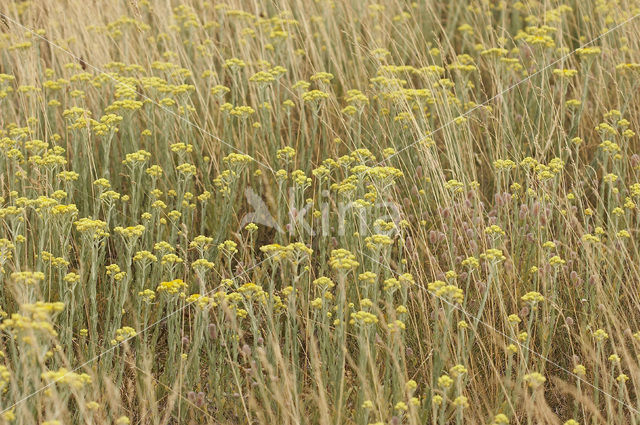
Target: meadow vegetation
(447, 195)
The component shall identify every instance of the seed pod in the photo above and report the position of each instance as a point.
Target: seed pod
(473, 245)
(508, 266)
(569, 321)
(246, 350)
(433, 315)
(574, 276)
(409, 244)
(524, 212)
(191, 396)
(524, 311)
(535, 209)
(200, 399)
(213, 331)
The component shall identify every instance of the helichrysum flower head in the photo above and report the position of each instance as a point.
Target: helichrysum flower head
(500, 419)
(286, 154)
(532, 298)
(172, 286)
(131, 232)
(600, 335)
(471, 262)
(461, 402)
(493, 255)
(445, 381)
(202, 265)
(556, 261)
(367, 277)
(580, 370)
(201, 242)
(402, 406)
(448, 292)
(92, 228)
(27, 278)
(514, 319)
(324, 283)
(65, 377)
(228, 247)
(144, 257)
(535, 379)
(457, 370)
(437, 400)
(314, 96)
(364, 318)
(341, 259)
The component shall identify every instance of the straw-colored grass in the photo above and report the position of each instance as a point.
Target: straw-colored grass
(319, 212)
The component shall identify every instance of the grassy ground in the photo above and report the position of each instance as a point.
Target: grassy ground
(319, 212)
